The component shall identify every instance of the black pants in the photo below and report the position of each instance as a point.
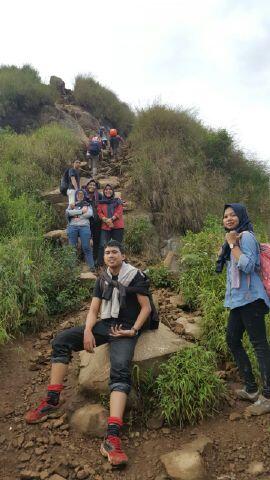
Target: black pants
(121, 351)
(105, 237)
(250, 317)
(95, 225)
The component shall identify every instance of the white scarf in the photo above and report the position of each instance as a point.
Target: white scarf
(110, 308)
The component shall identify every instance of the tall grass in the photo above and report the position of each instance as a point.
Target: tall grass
(181, 171)
(103, 104)
(36, 161)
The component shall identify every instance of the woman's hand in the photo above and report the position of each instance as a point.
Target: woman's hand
(232, 237)
(84, 209)
(91, 242)
(118, 331)
(89, 342)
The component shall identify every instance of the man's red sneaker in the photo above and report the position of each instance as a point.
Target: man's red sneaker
(111, 448)
(43, 411)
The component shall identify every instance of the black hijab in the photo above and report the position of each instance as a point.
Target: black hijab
(244, 225)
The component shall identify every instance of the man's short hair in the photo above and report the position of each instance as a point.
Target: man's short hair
(115, 243)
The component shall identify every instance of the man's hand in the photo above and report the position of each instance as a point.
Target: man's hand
(89, 341)
(118, 331)
(232, 237)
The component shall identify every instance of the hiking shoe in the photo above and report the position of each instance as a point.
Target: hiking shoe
(43, 411)
(260, 407)
(111, 448)
(242, 394)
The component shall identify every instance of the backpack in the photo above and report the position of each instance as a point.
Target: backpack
(265, 266)
(94, 147)
(64, 182)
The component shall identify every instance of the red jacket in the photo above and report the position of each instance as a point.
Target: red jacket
(102, 210)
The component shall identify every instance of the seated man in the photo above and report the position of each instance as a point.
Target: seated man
(125, 308)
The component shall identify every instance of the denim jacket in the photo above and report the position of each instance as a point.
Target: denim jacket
(251, 287)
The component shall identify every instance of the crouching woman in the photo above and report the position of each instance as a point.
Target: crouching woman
(248, 303)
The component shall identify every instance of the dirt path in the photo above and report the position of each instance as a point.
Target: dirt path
(51, 448)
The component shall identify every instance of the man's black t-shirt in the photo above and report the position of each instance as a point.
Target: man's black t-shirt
(128, 315)
(73, 172)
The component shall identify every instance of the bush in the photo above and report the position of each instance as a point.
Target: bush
(182, 171)
(140, 236)
(103, 104)
(160, 276)
(59, 281)
(188, 388)
(21, 93)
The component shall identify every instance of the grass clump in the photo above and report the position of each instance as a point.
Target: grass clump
(103, 104)
(140, 235)
(188, 388)
(160, 276)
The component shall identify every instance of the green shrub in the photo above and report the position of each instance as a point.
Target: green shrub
(181, 171)
(140, 235)
(21, 92)
(187, 386)
(160, 276)
(103, 103)
(59, 281)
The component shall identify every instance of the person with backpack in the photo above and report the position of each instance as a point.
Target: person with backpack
(115, 140)
(70, 181)
(110, 212)
(121, 295)
(78, 216)
(94, 152)
(248, 302)
(92, 197)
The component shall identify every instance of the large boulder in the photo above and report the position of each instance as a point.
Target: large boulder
(58, 84)
(153, 347)
(91, 420)
(89, 124)
(191, 325)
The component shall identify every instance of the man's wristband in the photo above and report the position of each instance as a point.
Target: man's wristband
(135, 330)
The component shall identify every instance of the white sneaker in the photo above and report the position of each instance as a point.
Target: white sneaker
(260, 407)
(242, 394)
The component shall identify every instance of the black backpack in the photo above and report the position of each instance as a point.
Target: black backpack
(64, 183)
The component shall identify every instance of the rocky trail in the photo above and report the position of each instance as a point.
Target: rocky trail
(227, 447)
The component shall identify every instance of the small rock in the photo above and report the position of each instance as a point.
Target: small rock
(82, 474)
(255, 468)
(184, 465)
(155, 421)
(55, 476)
(235, 416)
(24, 457)
(2, 439)
(44, 474)
(29, 474)
(40, 450)
(166, 430)
(90, 420)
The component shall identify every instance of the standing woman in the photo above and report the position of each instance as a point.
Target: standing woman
(248, 303)
(78, 215)
(92, 197)
(110, 212)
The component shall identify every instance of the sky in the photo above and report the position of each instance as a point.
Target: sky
(211, 56)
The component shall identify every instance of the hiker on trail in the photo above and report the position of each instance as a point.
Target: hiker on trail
(110, 212)
(104, 138)
(248, 302)
(92, 197)
(78, 215)
(94, 153)
(73, 181)
(115, 141)
(125, 309)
